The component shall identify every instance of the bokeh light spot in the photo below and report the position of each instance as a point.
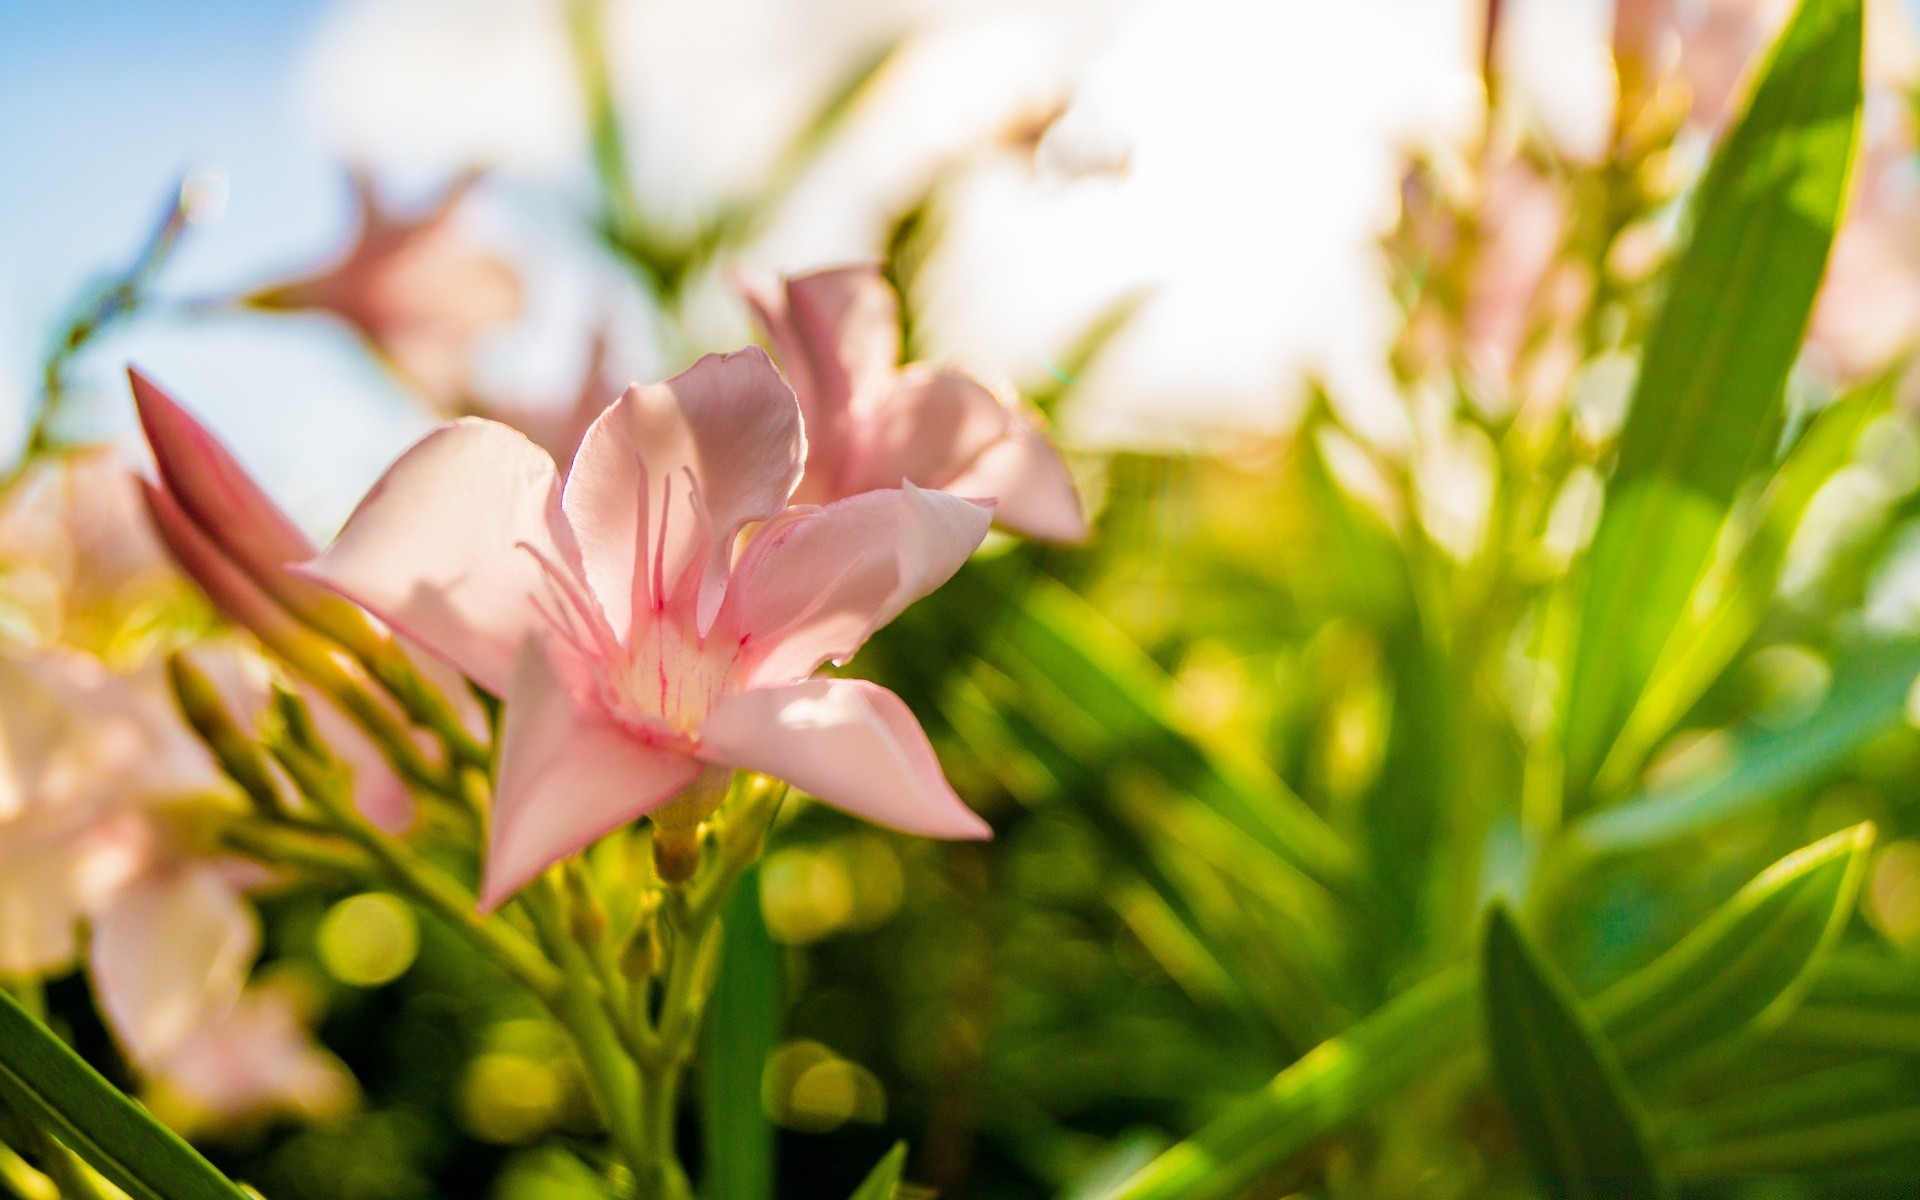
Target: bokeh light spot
(368, 940)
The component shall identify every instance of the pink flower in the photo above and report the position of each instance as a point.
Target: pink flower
(79, 561)
(413, 287)
(84, 756)
(632, 644)
(254, 1059)
(872, 423)
(101, 791)
(97, 768)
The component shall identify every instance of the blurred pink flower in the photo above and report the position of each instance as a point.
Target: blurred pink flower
(254, 1059)
(414, 287)
(871, 423)
(77, 557)
(101, 790)
(632, 644)
(1523, 220)
(1868, 314)
(84, 756)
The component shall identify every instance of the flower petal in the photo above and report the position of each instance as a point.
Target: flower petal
(1026, 475)
(932, 425)
(448, 546)
(256, 1059)
(170, 950)
(768, 299)
(851, 743)
(568, 775)
(815, 584)
(848, 324)
(703, 454)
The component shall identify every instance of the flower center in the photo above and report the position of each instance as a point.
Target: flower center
(670, 676)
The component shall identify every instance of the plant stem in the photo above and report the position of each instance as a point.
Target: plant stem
(579, 1006)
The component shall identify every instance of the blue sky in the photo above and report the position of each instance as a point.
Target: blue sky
(102, 104)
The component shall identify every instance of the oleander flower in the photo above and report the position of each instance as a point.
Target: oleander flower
(872, 423)
(633, 645)
(414, 287)
(253, 1060)
(78, 564)
(85, 753)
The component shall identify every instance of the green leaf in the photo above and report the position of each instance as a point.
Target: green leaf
(1871, 681)
(1333, 1084)
(55, 1088)
(883, 1182)
(1880, 1142)
(1746, 967)
(1571, 1107)
(742, 1027)
(1727, 606)
(1707, 403)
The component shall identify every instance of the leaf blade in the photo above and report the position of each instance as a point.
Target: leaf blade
(1748, 964)
(883, 1182)
(742, 1029)
(1717, 361)
(55, 1088)
(1567, 1096)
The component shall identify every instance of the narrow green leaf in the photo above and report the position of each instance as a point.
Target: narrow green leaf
(742, 1026)
(883, 1182)
(1779, 1107)
(55, 1088)
(1871, 681)
(1727, 606)
(1885, 1140)
(1746, 967)
(1332, 1085)
(1570, 1103)
(1707, 403)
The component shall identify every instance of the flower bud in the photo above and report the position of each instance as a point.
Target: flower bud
(211, 491)
(676, 825)
(645, 951)
(239, 757)
(232, 592)
(586, 916)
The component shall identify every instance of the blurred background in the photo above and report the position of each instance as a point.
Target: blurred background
(1335, 308)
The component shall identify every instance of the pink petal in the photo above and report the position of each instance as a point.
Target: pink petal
(256, 1059)
(851, 743)
(815, 584)
(928, 429)
(168, 951)
(568, 775)
(768, 299)
(449, 546)
(1025, 473)
(848, 323)
(710, 450)
(215, 492)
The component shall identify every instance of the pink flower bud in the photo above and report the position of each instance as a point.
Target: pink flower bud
(209, 491)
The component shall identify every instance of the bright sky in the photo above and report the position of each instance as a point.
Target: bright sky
(105, 102)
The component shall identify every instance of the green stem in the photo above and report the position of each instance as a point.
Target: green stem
(434, 890)
(1332, 1085)
(579, 1007)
